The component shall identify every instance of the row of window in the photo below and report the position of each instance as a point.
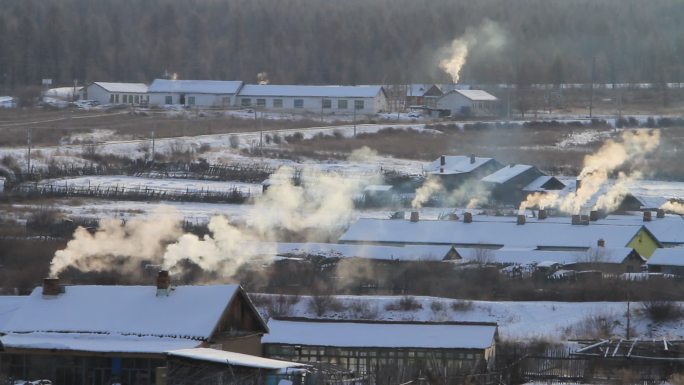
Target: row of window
(342, 104)
(290, 350)
(128, 99)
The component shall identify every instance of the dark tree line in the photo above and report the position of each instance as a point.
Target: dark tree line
(345, 42)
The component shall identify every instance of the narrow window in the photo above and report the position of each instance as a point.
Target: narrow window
(277, 103)
(299, 103)
(168, 99)
(358, 104)
(326, 103)
(342, 104)
(261, 102)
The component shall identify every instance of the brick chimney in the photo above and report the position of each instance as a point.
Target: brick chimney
(520, 220)
(51, 286)
(467, 217)
(660, 214)
(472, 158)
(441, 170)
(593, 215)
(442, 160)
(542, 214)
(584, 219)
(163, 282)
(647, 216)
(601, 243)
(415, 216)
(576, 219)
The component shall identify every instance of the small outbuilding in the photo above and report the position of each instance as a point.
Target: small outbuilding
(668, 260)
(117, 93)
(423, 95)
(194, 93)
(469, 103)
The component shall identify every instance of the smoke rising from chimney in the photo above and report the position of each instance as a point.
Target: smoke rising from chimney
(487, 37)
(262, 78)
(431, 186)
(673, 207)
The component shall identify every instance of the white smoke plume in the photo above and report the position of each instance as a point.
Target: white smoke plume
(470, 193)
(431, 186)
(540, 200)
(673, 207)
(262, 78)
(141, 238)
(611, 200)
(487, 37)
(363, 154)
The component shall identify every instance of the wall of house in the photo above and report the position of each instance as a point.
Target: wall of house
(95, 92)
(455, 103)
(313, 105)
(643, 243)
(200, 100)
(245, 344)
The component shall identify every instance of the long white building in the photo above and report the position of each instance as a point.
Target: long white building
(117, 93)
(191, 93)
(314, 99)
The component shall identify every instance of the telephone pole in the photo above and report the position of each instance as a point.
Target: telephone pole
(28, 152)
(591, 90)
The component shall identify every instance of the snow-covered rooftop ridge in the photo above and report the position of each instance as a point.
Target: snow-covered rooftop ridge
(196, 86)
(419, 89)
(333, 250)
(673, 256)
(135, 88)
(477, 95)
(492, 233)
(233, 359)
(457, 164)
(538, 184)
(507, 173)
(613, 255)
(255, 90)
(187, 312)
(380, 334)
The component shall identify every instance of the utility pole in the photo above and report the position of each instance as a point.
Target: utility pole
(153, 145)
(28, 152)
(354, 119)
(629, 316)
(591, 90)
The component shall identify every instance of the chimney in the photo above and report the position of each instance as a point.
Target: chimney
(441, 170)
(442, 160)
(578, 184)
(51, 286)
(542, 214)
(601, 243)
(467, 217)
(647, 216)
(575, 219)
(584, 219)
(521, 219)
(593, 215)
(472, 158)
(660, 214)
(163, 282)
(415, 216)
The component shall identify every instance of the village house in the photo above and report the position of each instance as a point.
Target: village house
(434, 349)
(194, 93)
(668, 261)
(94, 335)
(413, 253)
(518, 232)
(327, 100)
(469, 103)
(117, 93)
(454, 170)
(422, 95)
(512, 183)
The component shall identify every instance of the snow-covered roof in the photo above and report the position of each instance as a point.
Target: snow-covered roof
(9, 304)
(196, 86)
(119, 315)
(507, 173)
(233, 359)
(333, 250)
(531, 256)
(419, 89)
(477, 95)
(539, 234)
(310, 91)
(673, 256)
(134, 88)
(380, 335)
(457, 164)
(376, 188)
(538, 184)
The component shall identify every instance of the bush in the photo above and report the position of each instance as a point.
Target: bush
(406, 303)
(234, 141)
(661, 311)
(437, 306)
(462, 305)
(360, 309)
(294, 138)
(277, 139)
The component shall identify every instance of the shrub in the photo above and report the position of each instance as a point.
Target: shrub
(294, 138)
(437, 306)
(661, 311)
(462, 305)
(277, 139)
(362, 310)
(406, 303)
(234, 141)
(324, 302)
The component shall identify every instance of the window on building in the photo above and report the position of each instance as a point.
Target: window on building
(111, 98)
(191, 100)
(137, 99)
(245, 102)
(168, 99)
(225, 100)
(125, 99)
(342, 104)
(299, 103)
(116, 98)
(359, 104)
(326, 103)
(277, 103)
(261, 102)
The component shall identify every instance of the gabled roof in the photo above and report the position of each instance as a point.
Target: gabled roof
(673, 256)
(333, 250)
(233, 359)
(457, 164)
(113, 317)
(537, 234)
(380, 334)
(507, 173)
(195, 86)
(9, 304)
(414, 90)
(477, 95)
(255, 90)
(134, 88)
(613, 255)
(541, 183)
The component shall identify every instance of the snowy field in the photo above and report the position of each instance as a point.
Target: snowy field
(559, 321)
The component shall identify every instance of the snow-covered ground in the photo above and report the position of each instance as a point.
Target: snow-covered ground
(517, 320)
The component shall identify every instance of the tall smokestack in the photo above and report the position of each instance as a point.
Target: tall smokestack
(593, 215)
(467, 217)
(520, 220)
(51, 286)
(163, 282)
(660, 214)
(415, 216)
(442, 160)
(647, 216)
(472, 158)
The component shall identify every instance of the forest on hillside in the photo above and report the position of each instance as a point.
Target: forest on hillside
(339, 42)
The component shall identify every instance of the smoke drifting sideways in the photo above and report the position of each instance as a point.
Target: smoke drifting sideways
(321, 205)
(470, 194)
(488, 37)
(631, 150)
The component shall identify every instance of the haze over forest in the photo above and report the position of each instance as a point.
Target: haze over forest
(338, 42)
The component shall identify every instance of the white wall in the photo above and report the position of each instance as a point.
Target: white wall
(98, 93)
(201, 100)
(455, 102)
(314, 104)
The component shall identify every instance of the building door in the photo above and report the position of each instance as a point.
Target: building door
(182, 99)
